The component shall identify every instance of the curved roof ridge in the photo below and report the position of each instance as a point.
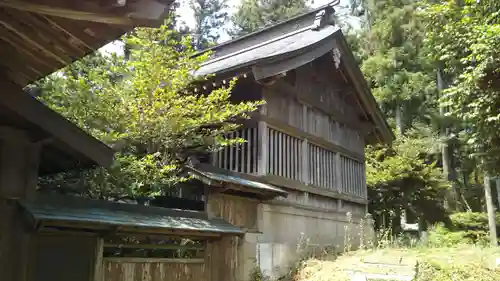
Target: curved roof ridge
(331, 4)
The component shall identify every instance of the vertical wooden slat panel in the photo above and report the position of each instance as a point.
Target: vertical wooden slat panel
(346, 167)
(348, 171)
(329, 170)
(276, 152)
(321, 167)
(338, 173)
(237, 149)
(324, 170)
(280, 154)
(358, 180)
(298, 159)
(353, 190)
(288, 159)
(293, 154)
(248, 151)
(316, 165)
(365, 188)
(333, 169)
(226, 156)
(243, 163)
(272, 155)
(286, 156)
(354, 175)
(291, 157)
(255, 146)
(350, 175)
(232, 153)
(344, 173)
(286, 163)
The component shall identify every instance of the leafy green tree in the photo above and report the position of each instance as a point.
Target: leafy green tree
(405, 176)
(144, 107)
(257, 14)
(465, 41)
(400, 77)
(210, 17)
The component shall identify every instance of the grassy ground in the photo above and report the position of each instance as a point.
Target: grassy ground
(460, 263)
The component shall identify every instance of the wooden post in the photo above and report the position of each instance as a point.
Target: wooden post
(305, 161)
(98, 266)
(338, 172)
(18, 178)
(490, 209)
(263, 148)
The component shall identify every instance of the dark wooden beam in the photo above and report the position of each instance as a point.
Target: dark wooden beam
(32, 38)
(52, 35)
(77, 37)
(17, 77)
(19, 45)
(18, 64)
(16, 100)
(131, 13)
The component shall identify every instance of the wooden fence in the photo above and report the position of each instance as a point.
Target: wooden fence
(139, 269)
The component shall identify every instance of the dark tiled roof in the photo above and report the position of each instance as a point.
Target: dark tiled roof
(209, 174)
(89, 212)
(287, 39)
(287, 45)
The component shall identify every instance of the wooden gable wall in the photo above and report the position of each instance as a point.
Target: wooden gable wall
(313, 100)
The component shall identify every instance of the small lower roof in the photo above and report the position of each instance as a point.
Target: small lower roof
(215, 176)
(100, 215)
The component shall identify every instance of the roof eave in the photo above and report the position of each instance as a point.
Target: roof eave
(54, 124)
(201, 176)
(365, 94)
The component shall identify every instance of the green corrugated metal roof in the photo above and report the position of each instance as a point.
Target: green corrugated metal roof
(211, 173)
(79, 210)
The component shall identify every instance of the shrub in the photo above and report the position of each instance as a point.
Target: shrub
(431, 271)
(440, 236)
(471, 221)
(474, 225)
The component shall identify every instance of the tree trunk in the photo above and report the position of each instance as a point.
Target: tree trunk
(399, 119)
(491, 210)
(497, 184)
(449, 174)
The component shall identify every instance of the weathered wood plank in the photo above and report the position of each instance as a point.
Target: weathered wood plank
(263, 148)
(154, 270)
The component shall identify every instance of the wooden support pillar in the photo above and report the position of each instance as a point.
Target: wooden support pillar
(263, 149)
(305, 162)
(338, 172)
(18, 178)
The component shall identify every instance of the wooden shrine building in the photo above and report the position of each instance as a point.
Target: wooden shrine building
(305, 145)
